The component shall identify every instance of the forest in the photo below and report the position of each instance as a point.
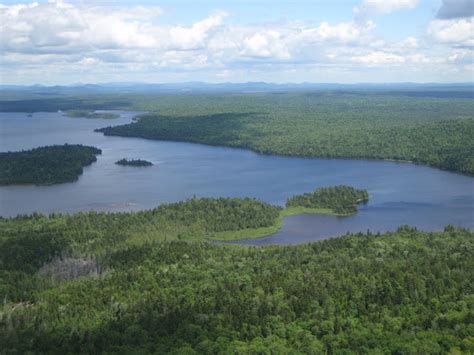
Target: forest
(148, 282)
(89, 114)
(133, 162)
(426, 130)
(433, 126)
(342, 200)
(164, 281)
(28, 242)
(47, 165)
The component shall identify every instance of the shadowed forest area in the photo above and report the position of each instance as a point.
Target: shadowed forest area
(86, 283)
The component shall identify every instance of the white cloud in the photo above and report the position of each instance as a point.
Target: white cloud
(409, 42)
(341, 32)
(457, 32)
(379, 58)
(193, 37)
(462, 56)
(381, 7)
(419, 58)
(265, 44)
(61, 27)
(89, 61)
(60, 37)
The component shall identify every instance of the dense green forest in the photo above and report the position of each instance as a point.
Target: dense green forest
(90, 114)
(157, 282)
(46, 165)
(134, 162)
(427, 126)
(94, 232)
(27, 242)
(341, 199)
(145, 282)
(432, 131)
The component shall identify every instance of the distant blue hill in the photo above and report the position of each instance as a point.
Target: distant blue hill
(460, 90)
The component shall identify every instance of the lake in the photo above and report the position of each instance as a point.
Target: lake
(399, 193)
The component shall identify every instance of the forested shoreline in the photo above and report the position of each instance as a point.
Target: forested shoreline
(81, 113)
(46, 165)
(435, 132)
(424, 127)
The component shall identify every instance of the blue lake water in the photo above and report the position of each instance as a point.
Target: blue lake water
(399, 193)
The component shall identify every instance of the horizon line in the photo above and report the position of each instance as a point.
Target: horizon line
(238, 83)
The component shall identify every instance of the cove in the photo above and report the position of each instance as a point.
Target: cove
(400, 193)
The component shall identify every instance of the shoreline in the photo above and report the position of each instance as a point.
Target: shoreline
(248, 148)
(257, 233)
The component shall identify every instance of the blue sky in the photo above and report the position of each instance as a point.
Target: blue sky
(63, 42)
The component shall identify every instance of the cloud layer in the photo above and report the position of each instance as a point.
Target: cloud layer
(85, 42)
(381, 7)
(456, 9)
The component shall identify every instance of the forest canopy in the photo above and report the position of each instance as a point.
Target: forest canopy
(435, 131)
(46, 165)
(150, 282)
(340, 199)
(85, 283)
(133, 162)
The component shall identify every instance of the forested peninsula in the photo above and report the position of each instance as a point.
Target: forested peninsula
(436, 131)
(431, 126)
(46, 165)
(147, 282)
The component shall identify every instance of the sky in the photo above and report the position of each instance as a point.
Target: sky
(320, 41)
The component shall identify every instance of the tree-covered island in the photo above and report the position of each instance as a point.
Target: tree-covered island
(134, 162)
(341, 200)
(46, 165)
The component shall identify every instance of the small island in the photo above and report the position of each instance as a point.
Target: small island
(133, 162)
(90, 114)
(46, 165)
(340, 200)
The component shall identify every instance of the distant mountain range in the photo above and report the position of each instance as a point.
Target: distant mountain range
(199, 87)
(459, 90)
